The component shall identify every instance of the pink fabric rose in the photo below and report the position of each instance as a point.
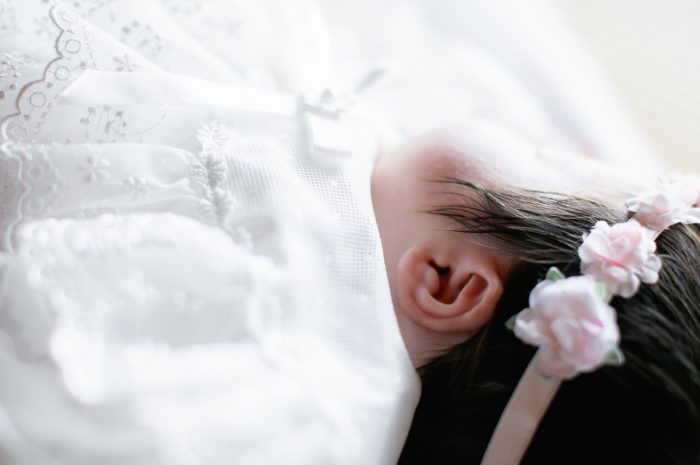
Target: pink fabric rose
(675, 201)
(621, 256)
(573, 327)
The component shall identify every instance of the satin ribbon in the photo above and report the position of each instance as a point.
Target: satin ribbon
(521, 417)
(325, 131)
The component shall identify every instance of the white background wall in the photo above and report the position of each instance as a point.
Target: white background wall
(651, 49)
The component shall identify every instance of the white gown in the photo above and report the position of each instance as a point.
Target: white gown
(191, 270)
(184, 281)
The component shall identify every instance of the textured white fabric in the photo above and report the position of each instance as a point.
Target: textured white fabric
(185, 282)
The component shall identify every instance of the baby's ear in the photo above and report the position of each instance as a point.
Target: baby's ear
(449, 286)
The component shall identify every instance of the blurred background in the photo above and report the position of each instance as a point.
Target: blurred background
(651, 51)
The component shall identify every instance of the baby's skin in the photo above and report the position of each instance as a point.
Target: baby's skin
(444, 287)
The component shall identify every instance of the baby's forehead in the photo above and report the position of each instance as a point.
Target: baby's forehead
(494, 157)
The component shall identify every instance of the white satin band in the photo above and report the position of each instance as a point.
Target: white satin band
(327, 135)
(101, 87)
(521, 417)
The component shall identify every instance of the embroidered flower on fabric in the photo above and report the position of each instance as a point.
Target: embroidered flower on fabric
(214, 134)
(621, 256)
(137, 187)
(575, 329)
(96, 169)
(675, 201)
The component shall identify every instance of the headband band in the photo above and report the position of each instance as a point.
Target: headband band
(521, 417)
(570, 319)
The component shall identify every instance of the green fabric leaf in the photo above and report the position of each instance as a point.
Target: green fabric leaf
(601, 289)
(554, 274)
(510, 324)
(615, 357)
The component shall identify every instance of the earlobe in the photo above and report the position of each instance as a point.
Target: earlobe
(452, 292)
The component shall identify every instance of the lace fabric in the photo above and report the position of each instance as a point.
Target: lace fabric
(184, 282)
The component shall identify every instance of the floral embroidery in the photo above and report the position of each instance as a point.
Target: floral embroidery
(8, 21)
(210, 173)
(125, 64)
(137, 187)
(143, 38)
(96, 169)
(47, 183)
(40, 95)
(214, 134)
(30, 184)
(10, 65)
(104, 124)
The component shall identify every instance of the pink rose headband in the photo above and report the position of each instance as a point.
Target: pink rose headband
(570, 319)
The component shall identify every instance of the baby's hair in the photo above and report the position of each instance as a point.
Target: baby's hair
(644, 412)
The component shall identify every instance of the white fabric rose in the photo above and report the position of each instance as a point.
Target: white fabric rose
(675, 201)
(575, 329)
(621, 256)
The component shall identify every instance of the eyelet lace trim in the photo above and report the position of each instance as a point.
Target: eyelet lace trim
(36, 98)
(21, 191)
(33, 104)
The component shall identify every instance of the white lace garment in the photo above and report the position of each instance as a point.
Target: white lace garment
(190, 276)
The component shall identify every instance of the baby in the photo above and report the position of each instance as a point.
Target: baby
(471, 219)
(192, 272)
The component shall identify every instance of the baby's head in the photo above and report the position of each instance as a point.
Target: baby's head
(471, 219)
(445, 286)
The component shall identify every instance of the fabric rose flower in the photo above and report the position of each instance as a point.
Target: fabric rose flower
(575, 329)
(621, 256)
(675, 201)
